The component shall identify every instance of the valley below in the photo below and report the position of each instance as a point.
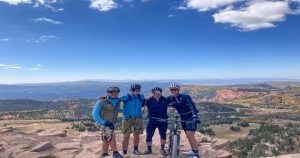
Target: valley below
(256, 120)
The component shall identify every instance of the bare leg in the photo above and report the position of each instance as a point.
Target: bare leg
(105, 147)
(113, 144)
(192, 140)
(136, 139)
(162, 142)
(125, 141)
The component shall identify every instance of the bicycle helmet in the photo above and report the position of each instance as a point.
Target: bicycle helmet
(113, 89)
(135, 86)
(156, 89)
(174, 86)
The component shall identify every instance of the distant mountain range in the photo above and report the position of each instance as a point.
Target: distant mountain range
(68, 90)
(92, 89)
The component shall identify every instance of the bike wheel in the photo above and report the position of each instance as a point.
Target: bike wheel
(175, 151)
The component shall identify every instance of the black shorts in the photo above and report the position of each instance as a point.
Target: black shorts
(189, 126)
(152, 125)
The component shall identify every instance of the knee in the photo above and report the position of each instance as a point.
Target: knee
(189, 135)
(126, 136)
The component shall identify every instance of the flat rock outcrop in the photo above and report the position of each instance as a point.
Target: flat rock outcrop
(42, 147)
(53, 132)
(55, 143)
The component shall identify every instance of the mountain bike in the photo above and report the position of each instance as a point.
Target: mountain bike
(174, 138)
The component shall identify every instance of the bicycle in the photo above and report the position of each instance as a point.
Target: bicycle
(174, 138)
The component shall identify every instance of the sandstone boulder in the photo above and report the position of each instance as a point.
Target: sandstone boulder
(68, 146)
(202, 138)
(5, 129)
(220, 143)
(35, 131)
(28, 154)
(15, 150)
(53, 132)
(210, 153)
(42, 147)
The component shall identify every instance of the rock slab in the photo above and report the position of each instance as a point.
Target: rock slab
(42, 147)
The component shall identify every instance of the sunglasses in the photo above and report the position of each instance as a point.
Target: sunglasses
(173, 90)
(136, 90)
(157, 93)
(113, 92)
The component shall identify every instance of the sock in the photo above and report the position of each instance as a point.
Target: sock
(162, 147)
(195, 151)
(150, 148)
(115, 152)
(136, 147)
(124, 151)
(104, 154)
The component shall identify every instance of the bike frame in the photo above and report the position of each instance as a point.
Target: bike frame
(174, 131)
(176, 119)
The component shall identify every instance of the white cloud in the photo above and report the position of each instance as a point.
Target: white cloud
(128, 1)
(255, 15)
(36, 3)
(4, 39)
(171, 15)
(16, 2)
(47, 20)
(13, 66)
(42, 39)
(246, 15)
(103, 5)
(18, 67)
(205, 5)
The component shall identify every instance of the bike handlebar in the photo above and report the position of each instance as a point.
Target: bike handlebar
(171, 120)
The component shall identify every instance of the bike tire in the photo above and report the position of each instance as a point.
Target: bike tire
(175, 151)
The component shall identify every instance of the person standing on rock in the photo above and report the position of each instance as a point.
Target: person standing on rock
(132, 118)
(188, 112)
(105, 113)
(157, 108)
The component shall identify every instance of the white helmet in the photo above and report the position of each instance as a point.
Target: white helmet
(174, 86)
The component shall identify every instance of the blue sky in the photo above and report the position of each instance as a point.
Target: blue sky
(67, 40)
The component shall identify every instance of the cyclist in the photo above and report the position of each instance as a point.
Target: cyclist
(105, 113)
(187, 109)
(157, 108)
(132, 117)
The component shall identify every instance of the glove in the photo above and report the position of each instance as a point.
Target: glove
(109, 125)
(196, 119)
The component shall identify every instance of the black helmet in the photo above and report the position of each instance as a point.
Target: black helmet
(156, 89)
(135, 86)
(113, 89)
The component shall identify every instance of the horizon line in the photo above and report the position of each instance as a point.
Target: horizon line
(269, 79)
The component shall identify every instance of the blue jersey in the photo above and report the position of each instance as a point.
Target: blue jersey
(132, 107)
